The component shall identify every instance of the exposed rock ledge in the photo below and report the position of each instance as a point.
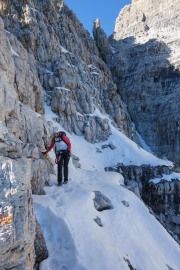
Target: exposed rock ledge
(161, 196)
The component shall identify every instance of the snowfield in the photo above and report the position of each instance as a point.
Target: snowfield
(127, 237)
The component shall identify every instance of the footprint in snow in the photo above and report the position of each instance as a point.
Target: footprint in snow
(67, 188)
(54, 264)
(64, 267)
(59, 203)
(55, 196)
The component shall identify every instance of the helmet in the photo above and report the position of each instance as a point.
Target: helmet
(55, 130)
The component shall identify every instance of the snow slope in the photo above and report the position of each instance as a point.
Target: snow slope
(129, 237)
(126, 151)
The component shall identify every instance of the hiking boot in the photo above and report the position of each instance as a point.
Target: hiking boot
(65, 182)
(59, 184)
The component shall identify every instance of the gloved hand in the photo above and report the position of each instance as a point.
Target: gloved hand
(44, 153)
(56, 159)
(68, 153)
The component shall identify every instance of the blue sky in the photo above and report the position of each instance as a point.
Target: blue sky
(88, 10)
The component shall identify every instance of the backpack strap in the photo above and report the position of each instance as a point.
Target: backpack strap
(61, 133)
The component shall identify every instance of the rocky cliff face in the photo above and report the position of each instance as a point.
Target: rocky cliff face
(44, 49)
(17, 218)
(145, 65)
(76, 80)
(23, 133)
(163, 198)
(146, 68)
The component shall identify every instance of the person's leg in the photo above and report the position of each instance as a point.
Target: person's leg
(60, 165)
(66, 162)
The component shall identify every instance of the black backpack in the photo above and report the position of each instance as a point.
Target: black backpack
(62, 133)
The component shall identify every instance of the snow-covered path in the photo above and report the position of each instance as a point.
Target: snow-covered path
(62, 251)
(129, 236)
(129, 233)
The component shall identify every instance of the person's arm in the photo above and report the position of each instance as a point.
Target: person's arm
(67, 141)
(51, 145)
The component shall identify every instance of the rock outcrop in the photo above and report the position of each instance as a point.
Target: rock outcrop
(101, 202)
(40, 246)
(102, 42)
(163, 198)
(17, 221)
(146, 68)
(158, 187)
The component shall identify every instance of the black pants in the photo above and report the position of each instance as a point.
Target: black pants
(63, 164)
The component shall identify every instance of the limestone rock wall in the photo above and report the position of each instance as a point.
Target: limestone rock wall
(23, 134)
(17, 234)
(102, 42)
(146, 68)
(76, 80)
(163, 198)
(44, 47)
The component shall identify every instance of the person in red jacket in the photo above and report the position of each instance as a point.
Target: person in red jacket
(63, 153)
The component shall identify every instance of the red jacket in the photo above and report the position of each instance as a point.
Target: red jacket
(64, 138)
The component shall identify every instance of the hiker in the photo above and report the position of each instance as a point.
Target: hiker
(63, 154)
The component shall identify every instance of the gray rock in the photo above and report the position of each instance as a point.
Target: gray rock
(98, 221)
(73, 74)
(75, 161)
(39, 176)
(110, 145)
(17, 236)
(40, 247)
(169, 267)
(104, 146)
(146, 68)
(164, 200)
(101, 202)
(131, 267)
(23, 133)
(125, 203)
(102, 42)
